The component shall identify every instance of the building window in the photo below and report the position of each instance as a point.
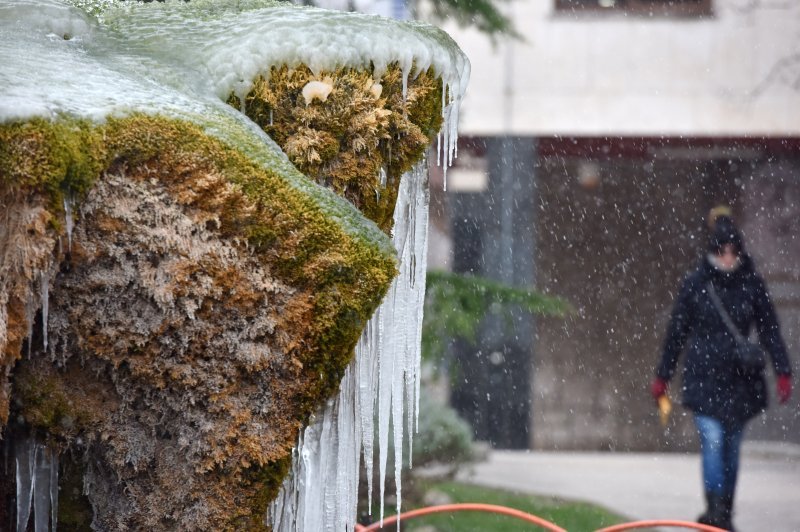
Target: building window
(669, 8)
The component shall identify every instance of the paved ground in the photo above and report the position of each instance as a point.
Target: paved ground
(654, 486)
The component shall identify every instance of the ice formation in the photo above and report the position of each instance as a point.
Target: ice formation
(183, 60)
(321, 492)
(317, 90)
(37, 485)
(178, 61)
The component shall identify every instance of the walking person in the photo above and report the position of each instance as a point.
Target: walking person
(723, 374)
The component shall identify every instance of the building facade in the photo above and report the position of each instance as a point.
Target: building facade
(591, 151)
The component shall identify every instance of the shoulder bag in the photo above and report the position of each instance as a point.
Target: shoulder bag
(749, 355)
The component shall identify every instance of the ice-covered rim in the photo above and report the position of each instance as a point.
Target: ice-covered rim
(229, 43)
(95, 58)
(234, 42)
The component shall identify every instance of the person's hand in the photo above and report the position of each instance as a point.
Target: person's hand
(784, 388)
(658, 388)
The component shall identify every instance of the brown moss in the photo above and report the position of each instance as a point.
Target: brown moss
(60, 403)
(346, 141)
(26, 247)
(338, 278)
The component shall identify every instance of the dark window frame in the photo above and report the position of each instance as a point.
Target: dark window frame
(644, 8)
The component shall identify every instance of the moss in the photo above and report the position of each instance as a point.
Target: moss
(53, 157)
(45, 404)
(343, 269)
(346, 141)
(339, 264)
(283, 223)
(267, 481)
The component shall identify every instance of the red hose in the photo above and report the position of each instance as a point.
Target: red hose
(547, 525)
(465, 507)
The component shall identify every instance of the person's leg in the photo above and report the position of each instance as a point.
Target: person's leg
(732, 446)
(712, 442)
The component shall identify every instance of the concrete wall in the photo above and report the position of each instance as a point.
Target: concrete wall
(609, 74)
(618, 224)
(617, 247)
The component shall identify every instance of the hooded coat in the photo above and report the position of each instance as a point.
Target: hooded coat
(713, 384)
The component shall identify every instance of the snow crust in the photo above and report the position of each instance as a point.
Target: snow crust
(173, 56)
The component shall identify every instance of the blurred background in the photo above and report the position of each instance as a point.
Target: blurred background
(595, 136)
(591, 151)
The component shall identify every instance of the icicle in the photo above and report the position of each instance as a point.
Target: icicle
(69, 222)
(326, 477)
(385, 373)
(54, 490)
(30, 317)
(397, 428)
(447, 139)
(312, 494)
(41, 488)
(37, 485)
(25, 454)
(421, 263)
(349, 452)
(45, 282)
(366, 361)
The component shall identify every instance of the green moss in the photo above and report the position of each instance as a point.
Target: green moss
(267, 481)
(54, 157)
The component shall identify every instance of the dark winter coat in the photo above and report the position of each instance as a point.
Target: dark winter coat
(713, 384)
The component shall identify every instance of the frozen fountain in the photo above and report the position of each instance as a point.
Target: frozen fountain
(209, 207)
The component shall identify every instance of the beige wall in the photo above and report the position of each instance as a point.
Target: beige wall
(616, 75)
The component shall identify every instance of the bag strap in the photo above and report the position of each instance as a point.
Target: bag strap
(724, 314)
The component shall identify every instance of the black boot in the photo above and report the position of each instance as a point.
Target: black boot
(727, 513)
(715, 511)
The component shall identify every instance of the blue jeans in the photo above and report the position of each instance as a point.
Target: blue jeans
(719, 446)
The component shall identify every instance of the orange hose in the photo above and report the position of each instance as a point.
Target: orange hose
(547, 525)
(465, 507)
(662, 522)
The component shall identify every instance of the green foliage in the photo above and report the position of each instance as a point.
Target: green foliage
(483, 14)
(456, 304)
(443, 437)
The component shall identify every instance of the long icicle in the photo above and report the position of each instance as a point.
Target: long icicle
(387, 359)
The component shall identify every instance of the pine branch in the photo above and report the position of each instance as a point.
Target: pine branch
(455, 306)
